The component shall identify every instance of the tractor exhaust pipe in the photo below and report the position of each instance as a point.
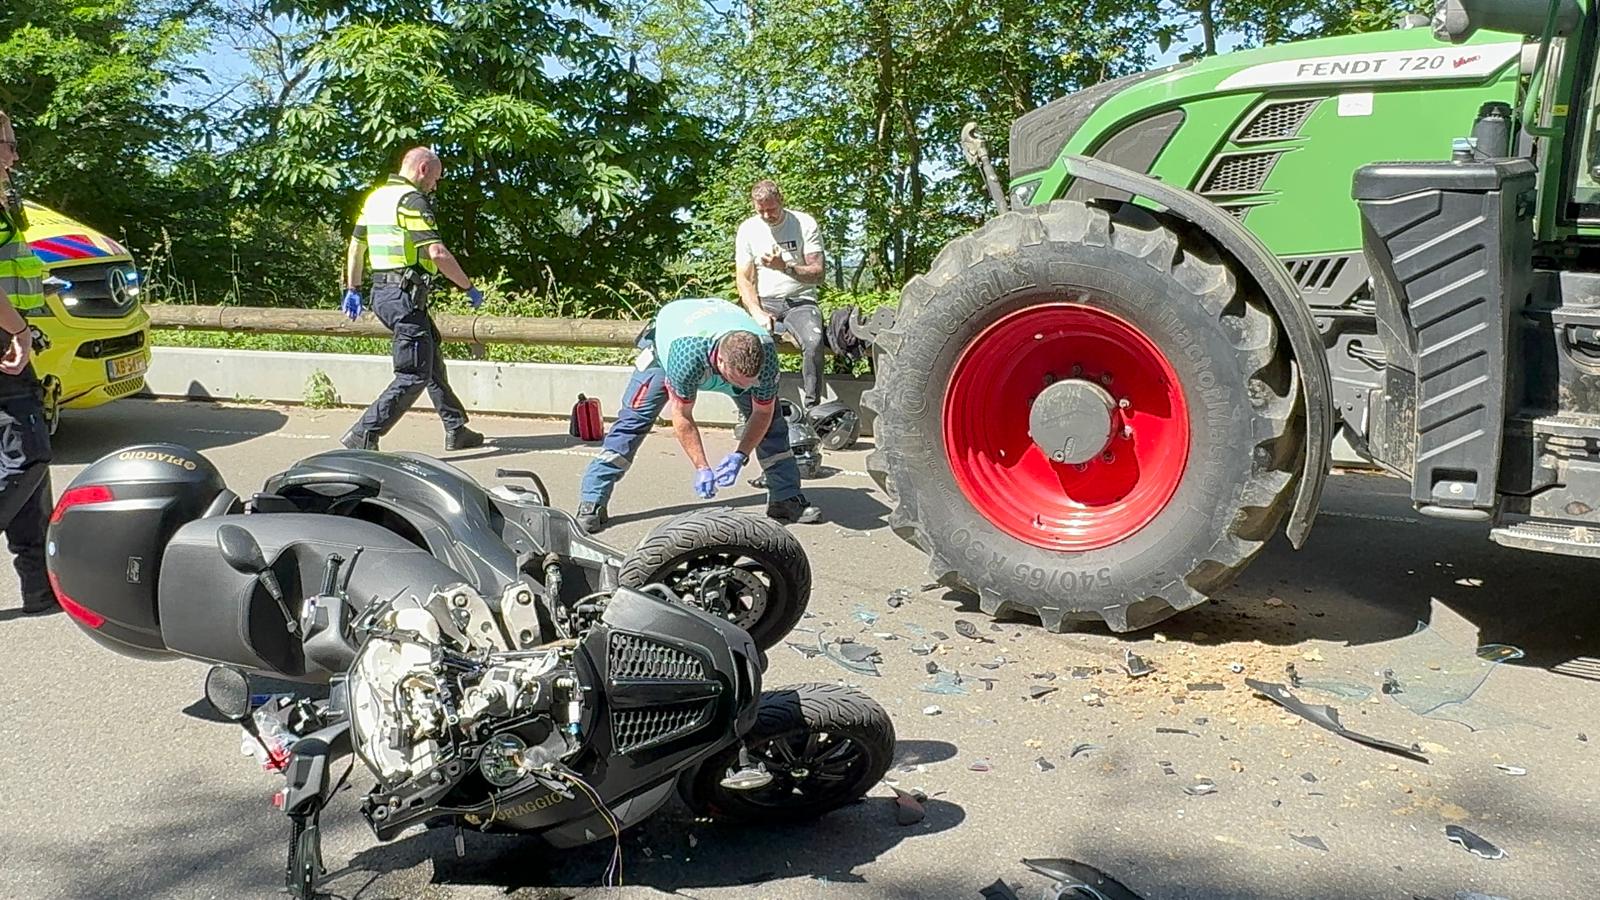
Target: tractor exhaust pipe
(977, 153)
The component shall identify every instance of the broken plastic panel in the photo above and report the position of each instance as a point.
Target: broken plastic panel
(1310, 840)
(1074, 879)
(1474, 844)
(908, 808)
(858, 658)
(1328, 717)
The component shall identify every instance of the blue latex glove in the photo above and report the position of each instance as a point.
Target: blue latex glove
(352, 304)
(728, 469)
(705, 483)
(474, 296)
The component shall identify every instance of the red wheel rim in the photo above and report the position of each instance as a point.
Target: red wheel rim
(1011, 481)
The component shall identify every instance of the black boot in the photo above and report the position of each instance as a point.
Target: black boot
(354, 440)
(462, 438)
(794, 509)
(591, 516)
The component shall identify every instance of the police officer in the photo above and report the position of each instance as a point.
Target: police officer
(398, 239)
(699, 345)
(25, 495)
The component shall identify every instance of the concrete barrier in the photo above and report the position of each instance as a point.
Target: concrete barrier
(531, 389)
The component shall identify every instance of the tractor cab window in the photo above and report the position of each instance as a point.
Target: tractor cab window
(1586, 168)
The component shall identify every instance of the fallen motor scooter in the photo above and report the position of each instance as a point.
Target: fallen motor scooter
(540, 712)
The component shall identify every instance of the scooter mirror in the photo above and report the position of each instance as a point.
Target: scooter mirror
(228, 692)
(240, 550)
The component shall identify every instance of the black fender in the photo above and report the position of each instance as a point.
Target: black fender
(1247, 250)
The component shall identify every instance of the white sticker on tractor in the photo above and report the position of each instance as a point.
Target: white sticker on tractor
(1474, 61)
(1355, 104)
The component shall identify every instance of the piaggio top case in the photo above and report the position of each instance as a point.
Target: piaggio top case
(125, 507)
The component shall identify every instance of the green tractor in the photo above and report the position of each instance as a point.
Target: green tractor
(1208, 282)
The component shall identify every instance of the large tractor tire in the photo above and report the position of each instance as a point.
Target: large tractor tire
(1083, 416)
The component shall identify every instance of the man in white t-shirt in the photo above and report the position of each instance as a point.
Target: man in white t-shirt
(778, 264)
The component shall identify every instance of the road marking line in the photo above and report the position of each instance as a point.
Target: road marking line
(281, 434)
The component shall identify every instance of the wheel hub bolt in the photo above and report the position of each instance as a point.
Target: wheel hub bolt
(1105, 378)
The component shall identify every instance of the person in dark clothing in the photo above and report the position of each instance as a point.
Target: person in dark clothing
(396, 236)
(25, 493)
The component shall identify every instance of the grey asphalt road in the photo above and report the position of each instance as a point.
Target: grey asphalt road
(117, 784)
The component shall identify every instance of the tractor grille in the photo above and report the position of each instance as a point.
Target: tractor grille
(1318, 274)
(636, 657)
(636, 729)
(1238, 212)
(1277, 120)
(1239, 173)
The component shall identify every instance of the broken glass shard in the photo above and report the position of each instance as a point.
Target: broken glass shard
(944, 683)
(1200, 789)
(1081, 749)
(1043, 765)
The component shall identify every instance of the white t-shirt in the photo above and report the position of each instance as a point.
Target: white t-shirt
(795, 236)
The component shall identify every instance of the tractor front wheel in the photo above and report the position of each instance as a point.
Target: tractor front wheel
(1082, 416)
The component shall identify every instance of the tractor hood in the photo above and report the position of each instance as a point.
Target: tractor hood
(1092, 118)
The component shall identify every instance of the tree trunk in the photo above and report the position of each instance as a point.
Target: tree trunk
(1208, 27)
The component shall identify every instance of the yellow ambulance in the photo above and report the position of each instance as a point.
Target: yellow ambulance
(98, 331)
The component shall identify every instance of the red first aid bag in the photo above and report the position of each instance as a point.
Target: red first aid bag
(586, 423)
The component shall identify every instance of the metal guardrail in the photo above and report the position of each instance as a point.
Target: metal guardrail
(472, 329)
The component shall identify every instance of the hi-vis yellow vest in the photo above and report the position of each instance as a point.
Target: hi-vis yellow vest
(21, 273)
(389, 244)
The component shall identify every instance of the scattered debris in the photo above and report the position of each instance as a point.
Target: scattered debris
(939, 635)
(922, 649)
(1584, 738)
(1095, 698)
(993, 664)
(1236, 765)
(1236, 668)
(970, 631)
(1040, 690)
(1275, 602)
(1069, 873)
(1200, 789)
(1135, 664)
(1159, 638)
(898, 598)
(1328, 717)
(908, 809)
(1082, 672)
(995, 626)
(866, 616)
(1204, 686)
(1313, 656)
(944, 683)
(1166, 767)
(1474, 895)
(1043, 765)
(1165, 730)
(1046, 675)
(1310, 840)
(981, 764)
(931, 710)
(1477, 846)
(932, 667)
(999, 891)
(1511, 770)
(805, 650)
(1081, 749)
(1308, 778)
(859, 658)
